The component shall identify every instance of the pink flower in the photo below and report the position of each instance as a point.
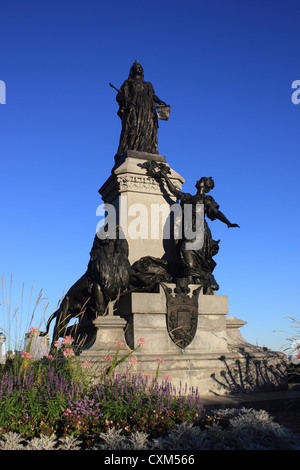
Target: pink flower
(159, 360)
(147, 376)
(167, 377)
(119, 343)
(85, 363)
(34, 331)
(132, 361)
(50, 357)
(107, 358)
(57, 343)
(141, 342)
(67, 341)
(26, 355)
(68, 352)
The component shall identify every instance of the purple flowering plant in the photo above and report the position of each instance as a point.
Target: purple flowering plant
(55, 395)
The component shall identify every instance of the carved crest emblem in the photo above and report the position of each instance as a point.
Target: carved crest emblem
(182, 314)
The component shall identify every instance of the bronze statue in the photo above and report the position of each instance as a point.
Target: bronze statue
(107, 275)
(137, 110)
(198, 264)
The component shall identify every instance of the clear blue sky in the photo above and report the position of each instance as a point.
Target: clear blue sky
(226, 68)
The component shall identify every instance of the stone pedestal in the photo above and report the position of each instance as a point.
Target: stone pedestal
(37, 346)
(2, 353)
(142, 206)
(217, 361)
(109, 331)
(213, 356)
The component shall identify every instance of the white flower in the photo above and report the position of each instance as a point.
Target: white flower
(296, 344)
(295, 357)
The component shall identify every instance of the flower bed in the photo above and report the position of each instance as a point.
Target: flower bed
(57, 396)
(54, 404)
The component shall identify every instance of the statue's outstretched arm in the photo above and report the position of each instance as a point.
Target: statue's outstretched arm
(159, 172)
(178, 194)
(220, 216)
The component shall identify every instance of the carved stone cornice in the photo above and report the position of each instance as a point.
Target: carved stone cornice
(129, 177)
(138, 183)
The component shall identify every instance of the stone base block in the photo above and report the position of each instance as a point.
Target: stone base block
(218, 361)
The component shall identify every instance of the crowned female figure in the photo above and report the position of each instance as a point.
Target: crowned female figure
(137, 110)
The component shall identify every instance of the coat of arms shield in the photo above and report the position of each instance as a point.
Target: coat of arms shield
(182, 315)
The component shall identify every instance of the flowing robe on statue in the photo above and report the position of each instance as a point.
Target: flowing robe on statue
(199, 264)
(138, 113)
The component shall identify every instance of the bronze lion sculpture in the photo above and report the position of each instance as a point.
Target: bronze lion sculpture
(107, 275)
